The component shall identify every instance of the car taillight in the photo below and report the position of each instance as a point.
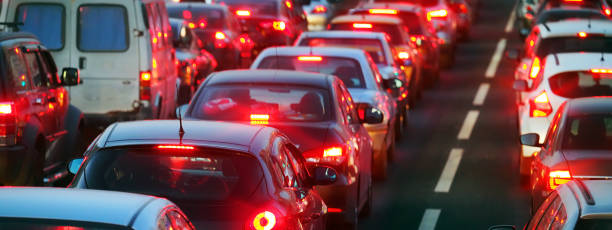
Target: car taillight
(463, 8)
(145, 85)
(220, 40)
(265, 220)
(191, 25)
(601, 70)
(333, 155)
(243, 13)
(202, 24)
(260, 119)
(320, 9)
(573, 1)
(362, 25)
(176, 147)
(187, 14)
(536, 66)
(540, 106)
(310, 58)
(558, 177)
(8, 123)
(403, 55)
(437, 14)
(607, 11)
(279, 25)
(382, 11)
(582, 34)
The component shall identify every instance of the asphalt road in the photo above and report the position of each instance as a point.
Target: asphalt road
(458, 166)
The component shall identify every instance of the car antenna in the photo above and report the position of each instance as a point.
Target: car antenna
(556, 58)
(589, 25)
(602, 51)
(546, 26)
(181, 130)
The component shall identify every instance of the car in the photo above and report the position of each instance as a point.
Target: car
(39, 128)
(377, 46)
(319, 13)
(578, 143)
(560, 14)
(122, 49)
(525, 14)
(194, 64)
(465, 17)
(406, 51)
(316, 112)
(63, 208)
(219, 31)
(563, 76)
(359, 74)
(421, 31)
(602, 5)
(223, 175)
(579, 204)
(269, 22)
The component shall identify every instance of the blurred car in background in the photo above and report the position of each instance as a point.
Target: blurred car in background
(62, 208)
(525, 14)
(465, 17)
(319, 13)
(219, 31)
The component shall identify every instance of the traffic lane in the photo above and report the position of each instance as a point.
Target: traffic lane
(401, 201)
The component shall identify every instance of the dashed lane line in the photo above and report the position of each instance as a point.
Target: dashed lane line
(511, 19)
(468, 125)
(481, 94)
(449, 171)
(430, 219)
(497, 56)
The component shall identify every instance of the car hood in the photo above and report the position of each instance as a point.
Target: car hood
(306, 135)
(589, 163)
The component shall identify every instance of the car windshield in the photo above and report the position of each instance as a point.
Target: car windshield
(200, 16)
(574, 44)
(581, 84)
(593, 224)
(372, 46)
(589, 132)
(392, 30)
(565, 15)
(256, 7)
(183, 176)
(347, 69)
(47, 224)
(260, 104)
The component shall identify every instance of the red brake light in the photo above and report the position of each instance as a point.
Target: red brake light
(536, 66)
(288, 4)
(332, 152)
(558, 177)
(179, 147)
(310, 58)
(607, 12)
(319, 9)
(333, 155)
(191, 25)
(220, 40)
(8, 124)
(220, 35)
(437, 14)
(259, 119)
(362, 26)
(540, 106)
(334, 210)
(145, 85)
(573, 1)
(243, 13)
(601, 70)
(403, 55)
(279, 25)
(382, 11)
(265, 220)
(187, 14)
(202, 24)
(582, 34)
(6, 108)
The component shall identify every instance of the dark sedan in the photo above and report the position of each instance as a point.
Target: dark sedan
(316, 111)
(223, 175)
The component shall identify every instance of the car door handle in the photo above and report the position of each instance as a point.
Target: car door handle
(82, 63)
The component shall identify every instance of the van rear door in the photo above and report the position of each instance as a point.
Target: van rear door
(107, 53)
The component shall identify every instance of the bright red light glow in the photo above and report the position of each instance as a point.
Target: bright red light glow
(382, 11)
(582, 34)
(264, 221)
(279, 25)
(219, 35)
(243, 13)
(540, 106)
(334, 210)
(558, 177)
(145, 76)
(535, 68)
(403, 55)
(310, 58)
(362, 25)
(187, 14)
(437, 14)
(260, 117)
(319, 9)
(288, 4)
(179, 147)
(608, 12)
(332, 152)
(6, 108)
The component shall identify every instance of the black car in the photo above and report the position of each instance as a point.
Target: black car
(222, 175)
(39, 129)
(218, 30)
(269, 22)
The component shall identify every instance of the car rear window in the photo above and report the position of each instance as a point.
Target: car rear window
(211, 18)
(591, 43)
(46, 224)
(256, 7)
(347, 69)
(392, 30)
(198, 175)
(589, 132)
(565, 15)
(372, 46)
(102, 28)
(409, 19)
(44, 20)
(261, 104)
(581, 84)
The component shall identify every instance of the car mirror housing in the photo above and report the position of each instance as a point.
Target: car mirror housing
(323, 175)
(393, 83)
(520, 85)
(531, 139)
(369, 114)
(70, 77)
(74, 165)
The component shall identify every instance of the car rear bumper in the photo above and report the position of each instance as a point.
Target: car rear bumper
(15, 162)
(342, 198)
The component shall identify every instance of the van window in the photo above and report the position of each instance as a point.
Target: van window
(46, 21)
(102, 28)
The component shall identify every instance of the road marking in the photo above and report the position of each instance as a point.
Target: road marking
(481, 94)
(468, 125)
(511, 19)
(449, 171)
(497, 56)
(430, 219)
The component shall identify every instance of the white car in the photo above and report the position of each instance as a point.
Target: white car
(63, 208)
(379, 49)
(318, 14)
(360, 75)
(563, 76)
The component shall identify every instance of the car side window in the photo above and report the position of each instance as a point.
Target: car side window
(38, 80)
(552, 133)
(50, 67)
(533, 223)
(349, 104)
(289, 178)
(17, 69)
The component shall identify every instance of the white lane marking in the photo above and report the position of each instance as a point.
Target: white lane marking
(430, 219)
(468, 125)
(497, 56)
(449, 171)
(511, 19)
(481, 94)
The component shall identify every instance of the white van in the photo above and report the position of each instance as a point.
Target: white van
(123, 49)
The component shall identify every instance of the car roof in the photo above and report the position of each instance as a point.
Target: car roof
(86, 205)
(599, 191)
(568, 28)
(284, 77)
(577, 61)
(196, 4)
(590, 105)
(351, 53)
(214, 134)
(367, 18)
(14, 35)
(343, 34)
(403, 6)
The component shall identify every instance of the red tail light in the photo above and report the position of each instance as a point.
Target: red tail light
(540, 106)
(333, 155)
(243, 13)
(536, 66)
(178, 147)
(191, 25)
(8, 123)
(437, 14)
(332, 152)
(403, 55)
(145, 85)
(362, 26)
(187, 14)
(265, 220)
(463, 8)
(582, 34)
(558, 177)
(202, 24)
(220, 35)
(608, 12)
(220, 40)
(382, 11)
(288, 4)
(573, 1)
(320, 9)
(310, 58)
(601, 70)
(260, 119)
(279, 25)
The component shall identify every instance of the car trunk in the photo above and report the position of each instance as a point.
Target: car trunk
(589, 163)
(307, 136)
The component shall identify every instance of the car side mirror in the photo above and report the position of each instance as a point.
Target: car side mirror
(369, 114)
(74, 165)
(520, 85)
(70, 77)
(502, 227)
(513, 54)
(323, 175)
(393, 83)
(181, 111)
(531, 139)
